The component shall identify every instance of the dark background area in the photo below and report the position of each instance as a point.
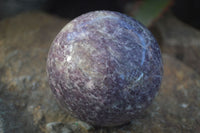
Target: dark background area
(186, 10)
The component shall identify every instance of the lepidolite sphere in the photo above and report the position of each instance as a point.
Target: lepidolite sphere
(104, 67)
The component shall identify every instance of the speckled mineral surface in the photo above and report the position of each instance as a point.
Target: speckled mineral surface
(104, 67)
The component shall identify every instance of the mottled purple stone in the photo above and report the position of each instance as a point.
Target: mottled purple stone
(105, 68)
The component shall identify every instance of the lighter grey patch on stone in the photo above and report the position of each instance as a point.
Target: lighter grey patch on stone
(59, 64)
(97, 108)
(157, 108)
(10, 55)
(184, 105)
(138, 106)
(90, 84)
(84, 125)
(149, 98)
(129, 107)
(57, 127)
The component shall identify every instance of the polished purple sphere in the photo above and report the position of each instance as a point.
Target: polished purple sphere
(105, 68)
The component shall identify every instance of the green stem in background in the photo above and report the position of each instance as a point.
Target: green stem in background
(147, 11)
